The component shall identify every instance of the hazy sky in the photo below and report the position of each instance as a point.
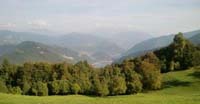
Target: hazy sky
(157, 17)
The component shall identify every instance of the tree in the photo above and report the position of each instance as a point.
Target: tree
(7, 72)
(151, 76)
(178, 55)
(117, 85)
(182, 51)
(64, 87)
(127, 67)
(196, 58)
(151, 58)
(54, 87)
(3, 87)
(133, 83)
(26, 88)
(39, 89)
(100, 86)
(75, 88)
(41, 72)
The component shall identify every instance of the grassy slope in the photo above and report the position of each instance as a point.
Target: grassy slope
(181, 87)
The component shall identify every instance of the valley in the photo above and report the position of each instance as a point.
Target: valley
(99, 52)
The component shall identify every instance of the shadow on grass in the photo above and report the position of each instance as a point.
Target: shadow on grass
(195, 74)
(175, 83)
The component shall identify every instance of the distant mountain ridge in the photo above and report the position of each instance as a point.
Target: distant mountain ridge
(126, 39)
(195, 39)
(34, 51)
(90, 45)
(153, 44)
(93, 48)
(97, 50)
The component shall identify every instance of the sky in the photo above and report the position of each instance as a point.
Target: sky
(156, 17)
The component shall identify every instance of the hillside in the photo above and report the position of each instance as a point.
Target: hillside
(181, 87)
(153, 44)
(34, 51)
(12, 37)
(196, 39)
(125, 39)
(97, 48)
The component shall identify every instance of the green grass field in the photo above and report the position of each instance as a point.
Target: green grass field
(181, 87)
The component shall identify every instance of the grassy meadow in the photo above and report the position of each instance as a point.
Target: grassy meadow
(180, 87)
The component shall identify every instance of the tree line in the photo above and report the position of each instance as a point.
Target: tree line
(129, 77)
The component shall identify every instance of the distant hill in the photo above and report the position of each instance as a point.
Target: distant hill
(195, 39)
(127, 39)
(34, 51)
(153, 44)
(98, 49)
(11, 37)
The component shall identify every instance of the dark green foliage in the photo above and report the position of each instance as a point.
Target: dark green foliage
(179, 55)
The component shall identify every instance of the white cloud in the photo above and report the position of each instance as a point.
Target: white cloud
(7, 25)
(39, 24)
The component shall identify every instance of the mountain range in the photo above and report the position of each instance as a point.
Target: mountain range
(29, 51)
(157, 43)
(95, 49)
(99, 51)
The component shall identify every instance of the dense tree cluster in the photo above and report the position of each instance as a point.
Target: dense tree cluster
(41, 79)
(179, 55)
(129, 77)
